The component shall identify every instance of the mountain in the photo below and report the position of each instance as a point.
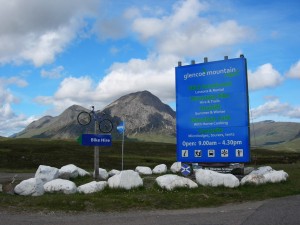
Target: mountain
(144, 114)
(63, 126)
(147, 118)
(276, 135)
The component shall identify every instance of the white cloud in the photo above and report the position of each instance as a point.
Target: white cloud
(72, 90)
(274, 107)
(294, 71)
(9, 121)
(54, 73)
(36, 31)
(122, 78)
(181, 34)
(186, 33)
(264, 77)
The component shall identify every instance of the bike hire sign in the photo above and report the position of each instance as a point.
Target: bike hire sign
(95, 140)
(212, 112)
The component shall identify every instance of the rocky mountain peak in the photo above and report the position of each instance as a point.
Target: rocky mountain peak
(143, 112)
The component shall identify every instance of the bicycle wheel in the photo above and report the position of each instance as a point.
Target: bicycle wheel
(105, 126)
(84, 118)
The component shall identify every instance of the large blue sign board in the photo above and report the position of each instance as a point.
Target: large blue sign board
(95, 140)
(212, 112)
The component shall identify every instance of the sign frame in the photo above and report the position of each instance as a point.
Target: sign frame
(212, 112)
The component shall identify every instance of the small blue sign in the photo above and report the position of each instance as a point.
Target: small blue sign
(212, 112)
(185, 169)
(95, 140)
(121, 127)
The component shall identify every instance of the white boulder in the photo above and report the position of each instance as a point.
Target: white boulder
(32, 187)
(68, 171)
(126, 179)
(262, 170)
(103, 174)
(60, 185)
(172, 181)
(82, 172)
(113, 172)
(46, 173)
(214, 179)
(264, 175)
(143, 170)
(276, 176)
(253, 179)
(176, 167)
(159, 169)
(92, 187)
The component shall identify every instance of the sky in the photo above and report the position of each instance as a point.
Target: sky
(54, 54)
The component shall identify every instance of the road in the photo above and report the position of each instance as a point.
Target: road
(281, 211)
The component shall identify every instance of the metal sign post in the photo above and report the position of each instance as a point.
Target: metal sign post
(96, 157)
(96, 140)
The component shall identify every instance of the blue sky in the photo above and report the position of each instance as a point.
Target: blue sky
(54, 54)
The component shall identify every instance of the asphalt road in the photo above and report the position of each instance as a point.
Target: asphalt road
(279, 211)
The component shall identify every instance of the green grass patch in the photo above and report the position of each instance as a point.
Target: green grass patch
(27, 154)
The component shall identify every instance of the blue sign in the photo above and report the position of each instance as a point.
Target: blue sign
(95, 140)
(185, 169)
(121, 127)
(212, 112)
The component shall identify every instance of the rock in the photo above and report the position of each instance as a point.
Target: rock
(143, 170)
(46, 173)
(159, 169)
(82, 172)
(1, 188)
(262, 170)
(176, 167)
(92, 187)
(32, 187)
(113, 172)
(126, 179)
(264, 175)
(60, 185)
(8, 189)
(171, 181)
(103, 174)
(68, 171)
(276, 176)
(214, 179)
(253, 179)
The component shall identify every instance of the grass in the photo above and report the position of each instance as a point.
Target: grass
(27, 154)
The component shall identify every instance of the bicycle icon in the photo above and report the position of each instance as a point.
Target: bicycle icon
(84, 118)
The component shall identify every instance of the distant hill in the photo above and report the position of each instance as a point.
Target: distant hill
(276, 135)
(149, 119)
(144, 114)
(63, 126)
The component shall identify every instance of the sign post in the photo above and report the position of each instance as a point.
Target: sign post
(121, 129)
(212, 112)
(96, 157)
(95, 140)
